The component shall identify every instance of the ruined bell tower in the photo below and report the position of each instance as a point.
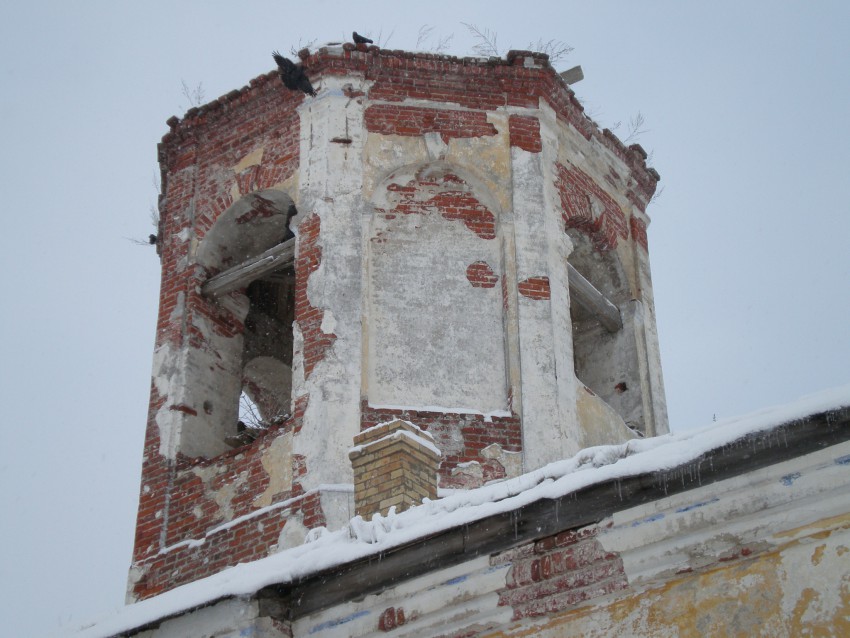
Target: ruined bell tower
(449, 242)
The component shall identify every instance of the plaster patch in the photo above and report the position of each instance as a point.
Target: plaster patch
(293, 533)
(277, 462)
(223, 496)
(471, 469)
(601, 424)
(179, 307)
(254, 158)
(328, 325)
(511, 461)
(436, 146)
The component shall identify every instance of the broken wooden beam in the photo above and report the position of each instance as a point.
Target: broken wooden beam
(591, 299)
(275, 258)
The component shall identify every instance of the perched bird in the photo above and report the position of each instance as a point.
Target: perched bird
(152, 239)
(292, 75)
(359, 39)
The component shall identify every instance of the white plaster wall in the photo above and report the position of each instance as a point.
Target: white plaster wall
(330, 186)
(647, 338)
(207, 381)
(764, 509)
(549, 422)
(434, 339)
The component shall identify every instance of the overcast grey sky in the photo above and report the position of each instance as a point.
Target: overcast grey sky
(747, 108)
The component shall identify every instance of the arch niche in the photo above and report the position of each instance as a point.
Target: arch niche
(435, 312)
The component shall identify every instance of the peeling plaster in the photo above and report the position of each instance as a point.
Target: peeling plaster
(223, 496)
(511, 461)
(293, 533)
(254, 158)
(277, 462)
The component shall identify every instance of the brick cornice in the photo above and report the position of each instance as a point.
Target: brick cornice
(520, 79)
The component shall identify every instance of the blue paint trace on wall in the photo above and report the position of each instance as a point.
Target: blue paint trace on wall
(339, 621)
(843, 460)
(648, 519)
(455, 581)
(789, 479)
(693, 506)
(248, 631)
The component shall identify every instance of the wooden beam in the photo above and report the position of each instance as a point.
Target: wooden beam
(275, 258)
(588, 297)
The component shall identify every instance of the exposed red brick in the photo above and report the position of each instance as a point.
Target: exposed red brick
(587, 207)
(412, 121)
(480, 275)
(561, 571)
(525, 133)
(449, 195)
(638, 227)
(309, 318)
(183, 408)
(391, 618)
(476, 433)
(535, 288)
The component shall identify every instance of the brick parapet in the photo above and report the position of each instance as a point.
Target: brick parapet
(486, 84)
(183, 529)
(225, 546)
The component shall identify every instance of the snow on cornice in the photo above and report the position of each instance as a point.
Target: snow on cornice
(364, 538)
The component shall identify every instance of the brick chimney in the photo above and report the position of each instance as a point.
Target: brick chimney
(394, 463)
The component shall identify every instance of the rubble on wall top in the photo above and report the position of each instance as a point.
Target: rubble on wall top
(328, 57)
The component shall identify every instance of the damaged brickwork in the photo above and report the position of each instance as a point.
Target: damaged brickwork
(559, 572)
(462, 439)
(428, 283)
(309, 318)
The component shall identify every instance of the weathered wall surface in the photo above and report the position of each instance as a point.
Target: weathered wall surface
(438, 202)
(763, 554)
(213, 162)
(227, 619)
(436, 331)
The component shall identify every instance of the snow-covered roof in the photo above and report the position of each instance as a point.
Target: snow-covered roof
(360, 539)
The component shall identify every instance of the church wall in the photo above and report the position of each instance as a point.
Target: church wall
(761, 554)
(425, 208)
(210, 161)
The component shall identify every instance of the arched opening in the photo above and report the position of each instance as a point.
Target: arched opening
(252, 225)
(250, 289)
(604, 346)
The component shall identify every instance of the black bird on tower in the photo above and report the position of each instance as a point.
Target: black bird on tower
(359, 39)
(292, 75)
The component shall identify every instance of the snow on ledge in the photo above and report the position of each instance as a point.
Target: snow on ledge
(410, 423)
(428, 443)
(439, 409)
(362, 538)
